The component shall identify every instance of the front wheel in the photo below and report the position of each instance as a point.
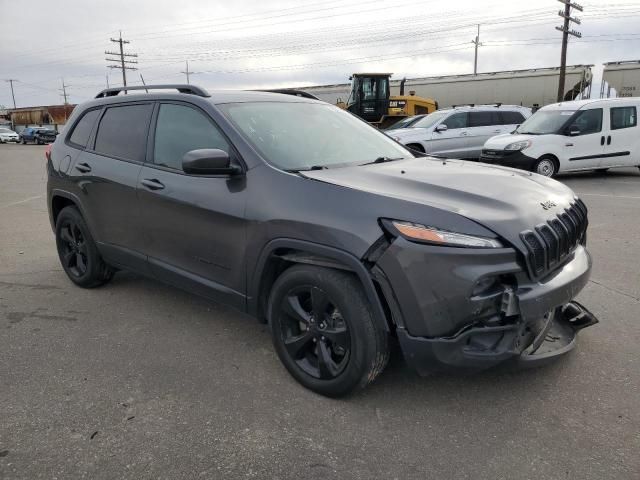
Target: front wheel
(78, 252)
(546, 166)
(324, 332)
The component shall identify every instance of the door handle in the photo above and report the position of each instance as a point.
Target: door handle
(463, 134)
(497, 131)
(609, 140)
(602, 140)
(152, 184)
(83, 167)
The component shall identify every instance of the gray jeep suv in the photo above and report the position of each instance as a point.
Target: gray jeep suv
(309, 219)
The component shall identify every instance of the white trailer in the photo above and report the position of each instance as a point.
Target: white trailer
(530, 88)
(621, 79)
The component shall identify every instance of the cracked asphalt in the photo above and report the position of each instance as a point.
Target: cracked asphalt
(137, 380)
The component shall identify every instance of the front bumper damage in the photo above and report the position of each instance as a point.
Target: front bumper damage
(526, 344)
(442, 326)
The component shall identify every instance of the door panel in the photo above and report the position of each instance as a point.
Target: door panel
(453, 142)
(107, 185)
(585, 150)
(482, 126)
(194, 226)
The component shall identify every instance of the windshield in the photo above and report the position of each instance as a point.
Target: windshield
(301, 136)
(404, 123)
(6, 130)
(544, 122)
(429, 120)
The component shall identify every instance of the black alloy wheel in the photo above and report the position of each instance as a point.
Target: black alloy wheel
(78, 252)
(74, 254)
(314, 332)
(323, 329)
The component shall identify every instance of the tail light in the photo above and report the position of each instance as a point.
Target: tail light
(47, 152)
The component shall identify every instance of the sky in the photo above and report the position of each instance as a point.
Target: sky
(246, 44)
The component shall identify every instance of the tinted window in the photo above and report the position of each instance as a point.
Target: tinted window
(457, 120)
(623, 117)
(82, 130)
(483, 119)
(122, 132)
(181, 129)
(587, 121)
(511, 118)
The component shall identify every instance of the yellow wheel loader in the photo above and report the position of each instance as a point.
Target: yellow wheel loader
(371, 100)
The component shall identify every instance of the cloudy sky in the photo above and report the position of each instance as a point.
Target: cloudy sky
(258, 44)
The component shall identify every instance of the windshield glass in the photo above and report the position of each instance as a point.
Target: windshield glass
(404, 123)
(5, 130)
(299, 136)
(544, 122)
(429, 120)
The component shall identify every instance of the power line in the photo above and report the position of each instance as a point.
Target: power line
(123, 63)
(187, 72)
(568, 5)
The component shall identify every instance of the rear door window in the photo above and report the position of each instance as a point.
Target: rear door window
(483, 119)
(83, 128)
(623, 117)
(122, 132)
(511, 118)
(180, 129)
(457, 120)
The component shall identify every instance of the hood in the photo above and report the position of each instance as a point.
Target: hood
(504, 200)
(500, 141)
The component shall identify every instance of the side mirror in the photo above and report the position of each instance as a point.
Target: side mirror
(208, 161)
(441, 128)
(574, 132)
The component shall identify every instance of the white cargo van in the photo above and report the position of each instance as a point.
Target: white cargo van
(571, 136)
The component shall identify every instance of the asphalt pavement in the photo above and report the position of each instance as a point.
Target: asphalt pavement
(137, 380)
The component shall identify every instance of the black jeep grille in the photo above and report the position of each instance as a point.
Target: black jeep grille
(550, 243)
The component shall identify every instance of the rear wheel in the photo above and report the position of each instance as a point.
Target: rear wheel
(324, 332)
(546, 166)
(78, 252)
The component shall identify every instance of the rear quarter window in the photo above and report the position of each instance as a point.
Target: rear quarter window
(122, 132)
(83, 127)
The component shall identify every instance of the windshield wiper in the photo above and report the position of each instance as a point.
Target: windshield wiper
(306, 169)
(382, 160)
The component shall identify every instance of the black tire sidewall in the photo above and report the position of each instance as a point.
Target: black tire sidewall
(553, 162)
(93, 276)
(346, 293)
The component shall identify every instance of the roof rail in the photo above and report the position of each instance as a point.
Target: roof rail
(291, 91)
(182, 88)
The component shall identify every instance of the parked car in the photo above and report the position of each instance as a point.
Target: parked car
(300, 214)
(571, 136)
(460, 132)
(38, 135)
(7, 135)
(405, 122)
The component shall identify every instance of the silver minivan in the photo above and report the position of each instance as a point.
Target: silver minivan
(460, 132)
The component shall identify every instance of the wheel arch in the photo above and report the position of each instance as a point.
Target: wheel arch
(61, 199)
(280, 254)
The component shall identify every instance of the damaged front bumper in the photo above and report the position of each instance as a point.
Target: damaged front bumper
(447, 325)
(478, 348)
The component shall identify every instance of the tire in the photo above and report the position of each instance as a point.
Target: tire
(546, 166)
(416, 146)
(78, 252)
(319, 313)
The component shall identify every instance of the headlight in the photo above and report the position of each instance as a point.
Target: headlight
(423, 234)
(516, 146)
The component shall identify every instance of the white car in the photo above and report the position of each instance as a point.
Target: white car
(460, 132)
(7, 135)
(572, 136)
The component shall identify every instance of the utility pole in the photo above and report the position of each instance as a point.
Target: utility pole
(107, 77)
(188, 72)
(123, 63)
(566, 14)
(477, 44)
(10, 81)
(64, 92)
